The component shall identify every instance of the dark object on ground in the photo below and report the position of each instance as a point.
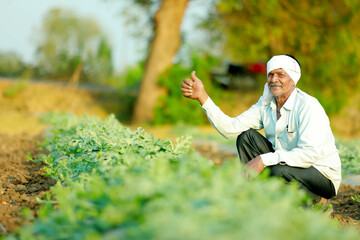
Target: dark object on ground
(240, 77)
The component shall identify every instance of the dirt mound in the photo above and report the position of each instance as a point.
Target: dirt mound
(21, 109)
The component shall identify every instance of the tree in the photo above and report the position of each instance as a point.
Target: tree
(11, 64)
(324, 36)
(166, 42)
(71, 45)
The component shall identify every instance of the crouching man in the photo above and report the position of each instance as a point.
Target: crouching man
(298, 143)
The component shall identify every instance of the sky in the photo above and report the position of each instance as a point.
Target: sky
(20, 26)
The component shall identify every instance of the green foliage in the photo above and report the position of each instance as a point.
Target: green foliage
(173, 107)
(11, 64)
(319, 207)
(98, 68)
(139, 16)
(128, 84)
(349, 152)
(132, 186)
(355, 198)
(322, 36)
(87, 143)
(130, 79)
(68, 41)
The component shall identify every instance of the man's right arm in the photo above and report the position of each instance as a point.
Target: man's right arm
(231, 127)
(228, 127)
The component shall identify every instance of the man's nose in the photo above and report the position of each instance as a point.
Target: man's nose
(274, 79)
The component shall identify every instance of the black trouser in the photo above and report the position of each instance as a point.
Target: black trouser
(251, 144)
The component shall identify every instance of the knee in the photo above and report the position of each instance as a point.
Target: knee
(280, 171)
(245, 136)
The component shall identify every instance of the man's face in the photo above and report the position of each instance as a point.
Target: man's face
(280, 83)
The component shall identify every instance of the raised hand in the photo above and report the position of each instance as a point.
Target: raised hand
(194, 89)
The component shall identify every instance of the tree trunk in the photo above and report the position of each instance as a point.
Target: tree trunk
(74, 80)
(164, 46)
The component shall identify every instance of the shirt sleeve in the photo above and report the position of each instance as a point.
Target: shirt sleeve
(232, 127)
(314, 135)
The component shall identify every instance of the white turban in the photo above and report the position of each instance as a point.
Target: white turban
(288, 64)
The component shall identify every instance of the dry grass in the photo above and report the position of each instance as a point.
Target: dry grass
(20, 111)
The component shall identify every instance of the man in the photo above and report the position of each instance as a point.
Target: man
(299, 144)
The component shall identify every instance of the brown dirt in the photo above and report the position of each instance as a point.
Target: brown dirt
(346, 210)
(21, 179)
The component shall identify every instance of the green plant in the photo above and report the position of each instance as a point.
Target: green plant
(74, 47)
(11, 64)
(355, 198)
(319, 207)
(117, 183)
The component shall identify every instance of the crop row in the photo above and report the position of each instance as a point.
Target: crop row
(115, 183)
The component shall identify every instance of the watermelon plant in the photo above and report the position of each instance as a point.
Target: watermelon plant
(115, 183)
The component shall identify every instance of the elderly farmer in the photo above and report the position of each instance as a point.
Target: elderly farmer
(298, 143)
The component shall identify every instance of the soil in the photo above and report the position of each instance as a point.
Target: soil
(346, 210)
(21, 180)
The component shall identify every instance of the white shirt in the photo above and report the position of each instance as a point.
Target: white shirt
(301, 137)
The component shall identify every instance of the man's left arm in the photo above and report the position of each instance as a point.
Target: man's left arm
(256, 164)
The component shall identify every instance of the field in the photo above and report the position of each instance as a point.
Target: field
(150, 199)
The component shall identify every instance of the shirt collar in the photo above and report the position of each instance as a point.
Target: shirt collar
(289, 104)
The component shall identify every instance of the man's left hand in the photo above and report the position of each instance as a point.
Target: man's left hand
(256, 164)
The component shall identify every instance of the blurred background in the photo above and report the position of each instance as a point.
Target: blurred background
(129, 58)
